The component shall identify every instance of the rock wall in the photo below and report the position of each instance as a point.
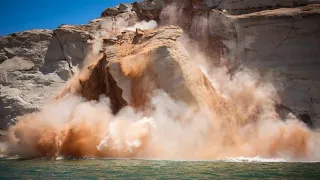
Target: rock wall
(286, 42)
(35, 64)
(250, 6)
(23, 87)
(283, 42)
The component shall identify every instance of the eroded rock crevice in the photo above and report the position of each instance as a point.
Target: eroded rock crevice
(66, 59)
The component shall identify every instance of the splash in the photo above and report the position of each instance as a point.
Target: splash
(234, 117)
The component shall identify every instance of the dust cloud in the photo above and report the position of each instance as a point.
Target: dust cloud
(245, 124)
(168, 129)
(144, 25)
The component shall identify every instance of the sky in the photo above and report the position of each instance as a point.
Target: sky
(21, 15)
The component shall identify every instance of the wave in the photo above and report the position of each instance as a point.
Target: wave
(258, 159)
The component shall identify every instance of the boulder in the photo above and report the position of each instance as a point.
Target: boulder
(148, 10)
(16, 64)
(137, 64)
(113, 11)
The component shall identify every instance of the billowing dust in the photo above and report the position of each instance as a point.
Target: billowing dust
(240, 121)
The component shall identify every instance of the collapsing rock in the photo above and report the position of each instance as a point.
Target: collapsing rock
(188, 111)
(143, 61)
(130, 68)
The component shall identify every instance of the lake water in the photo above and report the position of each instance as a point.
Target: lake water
(152, 169)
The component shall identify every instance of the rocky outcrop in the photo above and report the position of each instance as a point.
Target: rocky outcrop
(136, 60)
(30, 45)
(69, 47)
(250, 6)
(34, 66)
(23, 87)
(113, 11)
(134, 65)
(282, 41)
(255, 34)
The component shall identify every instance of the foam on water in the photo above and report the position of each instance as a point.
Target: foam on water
(258, 159)
(254, 159)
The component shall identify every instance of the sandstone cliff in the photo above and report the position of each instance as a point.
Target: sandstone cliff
(278, 36)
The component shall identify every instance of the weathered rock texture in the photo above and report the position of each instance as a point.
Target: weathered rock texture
(23, 87)
(249, 6)
(285, 42)
(137, 64)
(256, 34)
(34, 66)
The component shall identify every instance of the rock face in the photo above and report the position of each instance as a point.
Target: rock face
(286, 43)
(136, 64)
(283, 41)
(122, 8)
(66, 51)
(256, 34)
(249, 6)
(23, 87)
(34, 66)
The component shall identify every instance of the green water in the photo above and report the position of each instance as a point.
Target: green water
(147, 169)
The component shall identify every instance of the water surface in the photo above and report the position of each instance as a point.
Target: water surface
(150, 169)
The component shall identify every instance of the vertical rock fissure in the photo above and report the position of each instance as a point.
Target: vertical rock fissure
(217, 6)
(69, 63)
(288, 35)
